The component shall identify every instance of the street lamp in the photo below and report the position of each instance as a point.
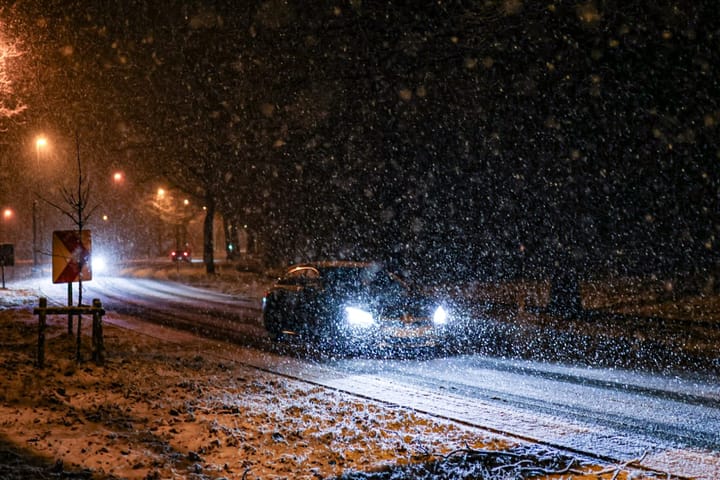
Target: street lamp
(6, 249)
(40, 143)
(34, 233)
(7, 215)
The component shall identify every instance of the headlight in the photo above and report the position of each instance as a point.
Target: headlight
(440, 317)
(99, 264)
(357, 317)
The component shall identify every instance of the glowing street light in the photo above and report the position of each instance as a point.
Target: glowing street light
(40, 143)
(35, 233)
(8, 214)
(118, 177)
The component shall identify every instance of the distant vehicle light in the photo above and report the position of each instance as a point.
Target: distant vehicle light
(99, 264)
(178, 255)
(357, 317)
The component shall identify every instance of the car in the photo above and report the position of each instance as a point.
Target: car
(181, 254)
(341, 305)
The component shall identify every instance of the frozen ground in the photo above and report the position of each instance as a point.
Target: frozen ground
(167, 408)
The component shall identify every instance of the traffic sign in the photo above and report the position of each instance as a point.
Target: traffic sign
(71, 251)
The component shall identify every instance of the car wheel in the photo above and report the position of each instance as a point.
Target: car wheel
(272, 322)
(275, 335)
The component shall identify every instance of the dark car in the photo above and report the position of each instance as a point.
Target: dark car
(353, 305)
(181, 254)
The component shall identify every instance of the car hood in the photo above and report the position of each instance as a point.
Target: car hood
(391, 305)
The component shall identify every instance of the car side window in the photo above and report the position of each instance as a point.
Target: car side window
(310, 278)
(301, 276)
(310, 275)
(293, 277)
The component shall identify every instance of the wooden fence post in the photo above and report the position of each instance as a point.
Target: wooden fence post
(78, 355)
(41, 332)
(98, 345)
(69, 302)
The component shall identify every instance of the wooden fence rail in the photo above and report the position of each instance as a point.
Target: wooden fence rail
(97, 312)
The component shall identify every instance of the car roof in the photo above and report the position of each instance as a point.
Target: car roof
(330, 264)
(334, 264)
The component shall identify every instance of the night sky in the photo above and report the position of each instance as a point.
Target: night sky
(480, 138)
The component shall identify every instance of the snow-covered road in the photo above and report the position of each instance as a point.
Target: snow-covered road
(669, 422)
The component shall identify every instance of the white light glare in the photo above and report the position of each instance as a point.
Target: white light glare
(99, 264)
(440, 317)
(359, 318)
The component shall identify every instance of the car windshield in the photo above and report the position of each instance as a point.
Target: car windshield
(361, 277)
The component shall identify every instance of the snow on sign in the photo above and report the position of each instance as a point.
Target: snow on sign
(70, 251)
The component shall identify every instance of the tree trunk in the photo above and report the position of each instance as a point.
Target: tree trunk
(565, 299)
(208, 240)
(231, 238)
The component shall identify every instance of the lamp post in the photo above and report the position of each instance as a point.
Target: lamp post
(7, 216)
(34, 234)
(6, 249)
(40, 143)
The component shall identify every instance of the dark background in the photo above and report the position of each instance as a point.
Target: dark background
(460, 139)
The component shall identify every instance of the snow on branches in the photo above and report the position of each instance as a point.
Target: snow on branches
(10, 104)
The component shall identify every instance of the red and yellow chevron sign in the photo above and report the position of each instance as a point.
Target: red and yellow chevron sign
(70, 250)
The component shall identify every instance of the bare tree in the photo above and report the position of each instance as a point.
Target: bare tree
(172, 209)
(10, 104)
(77, 208)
